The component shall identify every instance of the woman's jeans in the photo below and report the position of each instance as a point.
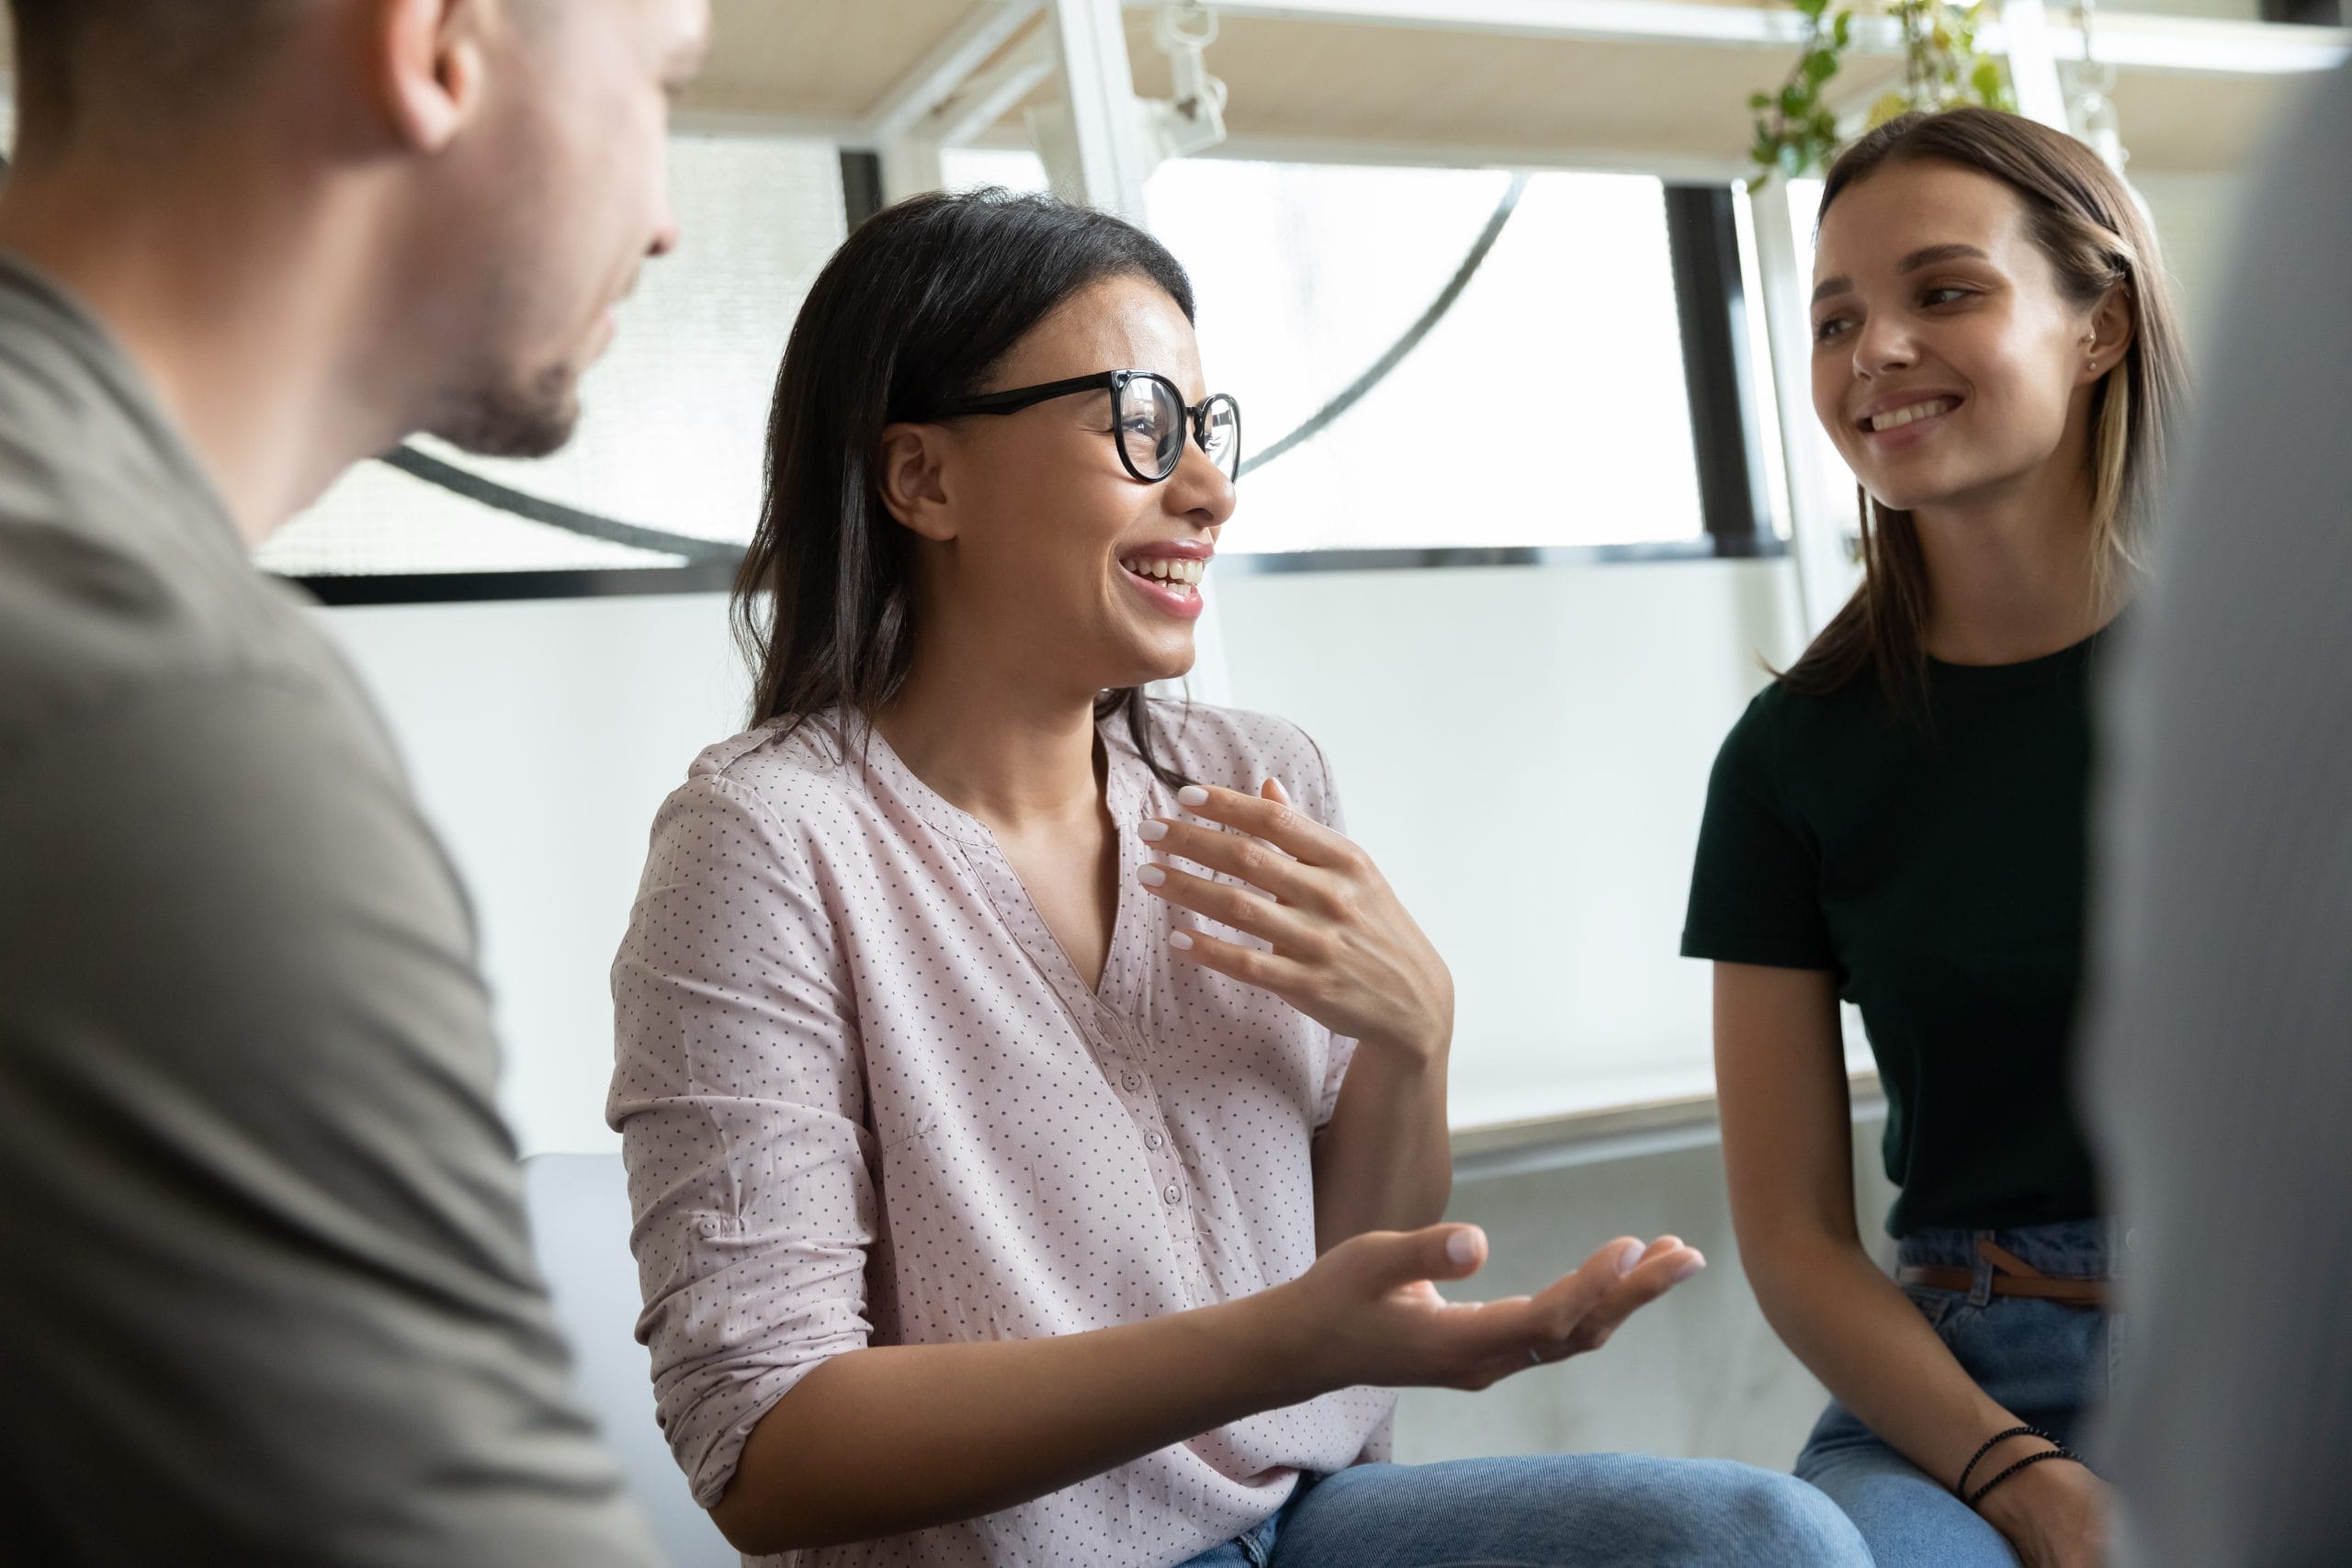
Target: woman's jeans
(1550, 1511)
(2043, 1361)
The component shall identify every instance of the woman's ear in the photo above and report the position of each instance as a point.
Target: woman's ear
(2114, 320)
(910, 474)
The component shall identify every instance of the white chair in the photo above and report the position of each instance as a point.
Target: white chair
(580, 1220)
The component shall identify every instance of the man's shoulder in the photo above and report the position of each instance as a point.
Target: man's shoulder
(96, 617)
(119, 570)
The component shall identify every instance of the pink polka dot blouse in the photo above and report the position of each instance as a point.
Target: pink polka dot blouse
(865, 1098)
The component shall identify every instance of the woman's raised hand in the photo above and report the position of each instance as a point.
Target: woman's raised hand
(1368, 1312)
(1345, 953)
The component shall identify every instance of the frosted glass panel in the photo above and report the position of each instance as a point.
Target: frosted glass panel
(676, 413)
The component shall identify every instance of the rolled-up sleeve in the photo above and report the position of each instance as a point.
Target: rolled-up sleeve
(738, 1093)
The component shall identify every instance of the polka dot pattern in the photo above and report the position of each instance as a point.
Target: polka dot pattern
(865, 1098)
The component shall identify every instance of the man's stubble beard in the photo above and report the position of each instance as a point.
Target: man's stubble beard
(533, 419)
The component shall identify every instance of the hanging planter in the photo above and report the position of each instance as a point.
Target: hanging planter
(1797, 129)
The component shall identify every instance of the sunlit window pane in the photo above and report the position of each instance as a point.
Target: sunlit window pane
(1547, 407)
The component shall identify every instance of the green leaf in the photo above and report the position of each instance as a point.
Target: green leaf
(1820, 67)
(1794, 102)
(1843, 33)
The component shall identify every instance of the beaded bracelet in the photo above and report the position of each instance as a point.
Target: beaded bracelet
(2060, 1452)
(1960, 1487)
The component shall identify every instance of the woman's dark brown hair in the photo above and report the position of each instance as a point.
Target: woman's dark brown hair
(905, 321)
(2084, 218)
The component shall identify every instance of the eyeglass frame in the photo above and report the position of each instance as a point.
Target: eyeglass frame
(1193, 424)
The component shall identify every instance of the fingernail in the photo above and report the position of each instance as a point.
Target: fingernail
(1151, 876)
(1687, 1269)
(1629, 1254)
(1181, 940)
(1462, 1245)
(1280, 792)
(1192, 795)
(1152, 832)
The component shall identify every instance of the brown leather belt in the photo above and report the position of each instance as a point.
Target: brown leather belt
(2012, 1276)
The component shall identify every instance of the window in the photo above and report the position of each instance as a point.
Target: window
(1837, 480)
(1546, 406)
(676, 419)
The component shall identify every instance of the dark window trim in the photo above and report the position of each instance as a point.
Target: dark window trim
(861, 186)
(1713, 548)
(474, 587)
(1711, 301)
(719, 577)
(1711, 305)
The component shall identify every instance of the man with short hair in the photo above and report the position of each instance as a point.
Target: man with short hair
(268, 1297)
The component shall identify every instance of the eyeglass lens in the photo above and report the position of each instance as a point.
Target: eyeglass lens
(1151, 424)
(1151, 428)
(1221, 434)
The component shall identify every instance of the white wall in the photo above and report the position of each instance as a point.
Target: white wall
(1698, 1375)
(541, 736)
(1524, 750)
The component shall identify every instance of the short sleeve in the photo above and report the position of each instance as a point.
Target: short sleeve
(738, 1096)
(271, 1297)
(1754, 890)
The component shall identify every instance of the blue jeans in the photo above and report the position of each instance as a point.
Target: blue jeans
(1550, 1511)
(2043, 1361)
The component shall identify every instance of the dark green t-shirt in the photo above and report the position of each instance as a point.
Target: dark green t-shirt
(1935, 865)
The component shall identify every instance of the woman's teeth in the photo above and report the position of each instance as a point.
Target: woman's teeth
(1176, 574)
(1916, 411)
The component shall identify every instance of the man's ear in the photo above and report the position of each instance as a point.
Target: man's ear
(428, 67)
(910, 473)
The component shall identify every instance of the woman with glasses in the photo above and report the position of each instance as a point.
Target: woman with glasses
(1034, 1107)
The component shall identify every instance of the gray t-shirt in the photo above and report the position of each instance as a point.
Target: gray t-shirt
(265, 1293)
(2223, 1046)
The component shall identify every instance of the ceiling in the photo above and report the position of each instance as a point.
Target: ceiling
(829, 63)
(1489, 96)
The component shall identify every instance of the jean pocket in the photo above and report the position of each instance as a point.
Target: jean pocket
(1933, 1305)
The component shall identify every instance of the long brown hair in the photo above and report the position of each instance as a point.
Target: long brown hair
(2084, 220)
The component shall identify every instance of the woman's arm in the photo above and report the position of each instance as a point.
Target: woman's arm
(1348, 955)
(1788, 1141)
(885, 1440)
(1385, 1160)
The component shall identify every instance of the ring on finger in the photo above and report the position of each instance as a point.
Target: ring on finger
(1534, 1356)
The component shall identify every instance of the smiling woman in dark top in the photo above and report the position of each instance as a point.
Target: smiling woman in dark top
(1899, 821)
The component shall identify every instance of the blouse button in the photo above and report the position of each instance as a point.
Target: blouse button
(1153, 1140)
(1133, 1081)
(1172, 1194)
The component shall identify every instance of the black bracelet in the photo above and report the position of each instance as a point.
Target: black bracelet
(1960, 1487)
(2060, 1452)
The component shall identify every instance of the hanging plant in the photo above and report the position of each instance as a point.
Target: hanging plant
(1942, 67)
(1797, 131)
